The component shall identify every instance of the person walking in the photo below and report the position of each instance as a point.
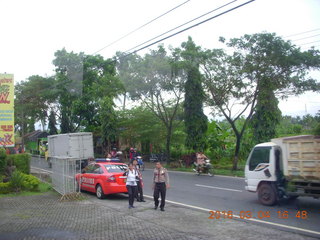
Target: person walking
(131, 183)
(160, 185)
(139, 192)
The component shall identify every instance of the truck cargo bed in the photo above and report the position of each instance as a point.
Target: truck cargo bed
(301, 157)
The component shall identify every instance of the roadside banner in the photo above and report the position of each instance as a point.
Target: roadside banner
(6, 110)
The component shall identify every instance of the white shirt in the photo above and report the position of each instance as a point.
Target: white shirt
(131, 177)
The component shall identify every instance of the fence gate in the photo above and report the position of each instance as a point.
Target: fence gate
(64, 170)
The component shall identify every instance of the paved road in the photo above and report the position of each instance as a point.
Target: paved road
(220, 193)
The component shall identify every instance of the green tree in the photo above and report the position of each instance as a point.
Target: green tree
(32, 100)
(52, 124)
(69, 80)
(158, 85)
(266, 117)
(86, 88)
(194, 118)
(259, 61)
(140, 126)
(108, 118)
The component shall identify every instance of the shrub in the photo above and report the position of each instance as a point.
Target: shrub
(3, 160)
(316, 131)
(5, 187)
(174, 164)
(21, 161)
(16, 181)
(30, 182)
(188, 159)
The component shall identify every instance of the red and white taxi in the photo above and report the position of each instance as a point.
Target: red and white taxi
(103, 178)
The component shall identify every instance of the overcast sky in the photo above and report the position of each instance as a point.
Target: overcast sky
(31, 31)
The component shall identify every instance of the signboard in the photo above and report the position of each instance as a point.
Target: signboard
(6, 110)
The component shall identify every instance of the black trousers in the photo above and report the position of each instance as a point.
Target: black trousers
(159, 188)
(139, 192)
(132, 192)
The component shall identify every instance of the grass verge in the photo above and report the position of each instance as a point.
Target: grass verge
(43, 187)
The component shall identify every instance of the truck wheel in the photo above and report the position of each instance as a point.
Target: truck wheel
(291, 198)
(99, 192)
(267, 195)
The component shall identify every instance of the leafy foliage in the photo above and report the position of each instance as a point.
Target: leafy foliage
(158, 85)
(194, 118)
(266, 117)
(32, 101)
(16, 181)
(52, 124)
(260, 63)
(3, 160)
(83, 83)
(296, 125)
(21, 161)
(108, 121)
(30, 182)
(5, 187)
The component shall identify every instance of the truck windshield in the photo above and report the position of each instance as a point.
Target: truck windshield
(259, 155)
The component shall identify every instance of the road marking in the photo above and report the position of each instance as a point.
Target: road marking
(193, 173)
(43, 170)
(238, 217)
(227, 189)
(235, 216)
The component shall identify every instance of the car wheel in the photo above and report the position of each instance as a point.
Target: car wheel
(99, 192)
(267, 195)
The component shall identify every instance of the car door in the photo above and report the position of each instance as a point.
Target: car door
(87, 178)
(96, 175)
(257, 167)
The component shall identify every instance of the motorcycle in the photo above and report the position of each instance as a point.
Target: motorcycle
(140, 163)
(205, 168)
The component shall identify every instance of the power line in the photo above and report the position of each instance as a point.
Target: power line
(180, 26)
(309, 43)
(302, 33)
(188, 28)
(126, 35)
(306, 37)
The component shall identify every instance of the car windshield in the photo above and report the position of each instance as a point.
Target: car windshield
(115, 168)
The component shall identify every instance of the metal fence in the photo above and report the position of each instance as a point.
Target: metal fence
(64, 170)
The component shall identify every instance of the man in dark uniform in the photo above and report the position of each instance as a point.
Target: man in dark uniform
(160, 185)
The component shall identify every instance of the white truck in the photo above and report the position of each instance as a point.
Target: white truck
(71, 145)
(286, 167)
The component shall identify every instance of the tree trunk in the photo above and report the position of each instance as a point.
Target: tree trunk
(236, 153)
(168, 143)
(124, 101)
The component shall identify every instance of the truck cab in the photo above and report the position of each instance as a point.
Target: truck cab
(263, 171)
(286, 167)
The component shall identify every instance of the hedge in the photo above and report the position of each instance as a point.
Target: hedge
(20, 181)
(5, 187)
(21, 161)
(30, 182)
(3, 160)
